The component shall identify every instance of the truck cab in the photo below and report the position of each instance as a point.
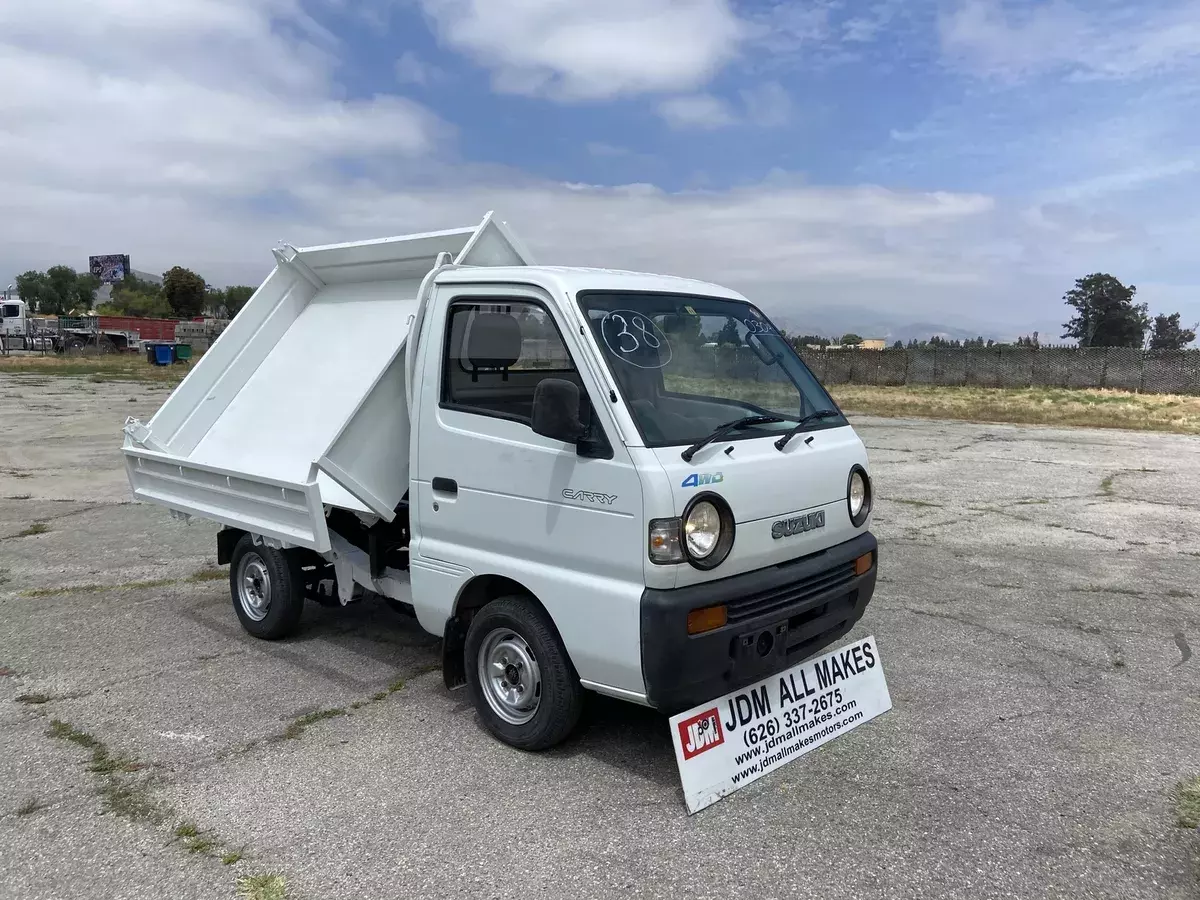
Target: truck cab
(12, 315)
(581, 479)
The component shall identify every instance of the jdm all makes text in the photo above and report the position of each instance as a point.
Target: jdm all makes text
(796, 686)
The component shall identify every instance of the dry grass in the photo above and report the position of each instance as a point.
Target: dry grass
(1187, 803)
(1022, 406)
(112, 367)
(202, 575)
(1027, 406)
(262, 887)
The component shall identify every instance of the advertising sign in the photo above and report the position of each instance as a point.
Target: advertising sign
(729, 742)
(109, 269)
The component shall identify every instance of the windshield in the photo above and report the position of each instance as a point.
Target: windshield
(687, 365)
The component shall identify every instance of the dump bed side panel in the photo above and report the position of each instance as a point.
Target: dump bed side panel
(370, 457)
(288, 512)
(299, 397)
(218, 376)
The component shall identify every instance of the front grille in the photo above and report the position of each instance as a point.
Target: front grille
(781, 598)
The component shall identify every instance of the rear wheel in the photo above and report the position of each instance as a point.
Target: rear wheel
(267, 588)
(519, 676)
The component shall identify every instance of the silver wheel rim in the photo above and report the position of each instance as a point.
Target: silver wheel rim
(254, 587)
(510, 676)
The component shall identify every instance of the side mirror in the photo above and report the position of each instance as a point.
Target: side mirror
(556, 410)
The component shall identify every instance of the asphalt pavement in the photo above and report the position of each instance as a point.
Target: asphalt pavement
(1038, 606)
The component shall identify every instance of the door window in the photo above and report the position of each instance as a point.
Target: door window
(497, 353)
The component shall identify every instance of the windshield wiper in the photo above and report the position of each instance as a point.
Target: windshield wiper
(804, 423)
(745, 422)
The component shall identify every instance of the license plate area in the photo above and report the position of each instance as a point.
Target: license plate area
(761, 648)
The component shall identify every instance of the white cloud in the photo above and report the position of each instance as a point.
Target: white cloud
(411, 69)
(696, 111)
(573, 50)
(210, 99)
(599, 148)
(1122, 180)
(202, 135)
(767, 105)
(984, 36)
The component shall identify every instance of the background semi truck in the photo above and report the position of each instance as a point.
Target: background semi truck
(541, 464)
(102, 334)
(105, 334)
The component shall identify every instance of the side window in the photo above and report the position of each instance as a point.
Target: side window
(496, 354)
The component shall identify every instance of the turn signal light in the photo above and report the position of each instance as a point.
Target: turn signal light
(862, 565)
(709, 618)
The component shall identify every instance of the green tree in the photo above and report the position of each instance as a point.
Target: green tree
(34, 289)
(235, 297)
(57, 291)
(729, 333)
(805, 340)
(851, 338)
(184, 291)
(134, 296)
(898, 345)
(1168, 334)
(1105, 314)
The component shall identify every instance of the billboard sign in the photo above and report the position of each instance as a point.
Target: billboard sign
(109, 269)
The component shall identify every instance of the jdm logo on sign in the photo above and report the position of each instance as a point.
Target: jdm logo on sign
(700, 733)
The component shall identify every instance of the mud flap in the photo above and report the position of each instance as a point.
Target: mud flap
(454, 665)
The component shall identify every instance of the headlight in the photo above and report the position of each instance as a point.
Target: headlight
(707, 531)
(702, 530)
(858, 493)
(858, 496)
(702, 536)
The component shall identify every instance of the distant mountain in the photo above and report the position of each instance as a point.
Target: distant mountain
(836, 321)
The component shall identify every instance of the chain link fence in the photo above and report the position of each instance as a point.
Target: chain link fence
(1119, 368)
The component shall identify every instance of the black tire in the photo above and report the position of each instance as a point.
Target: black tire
(280, 571)
(561, 696)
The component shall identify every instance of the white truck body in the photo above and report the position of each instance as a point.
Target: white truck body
(379, 394)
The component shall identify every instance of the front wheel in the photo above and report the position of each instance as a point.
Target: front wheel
(267, 587)
(519, 676)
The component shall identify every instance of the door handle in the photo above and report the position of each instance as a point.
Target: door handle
(445, 486)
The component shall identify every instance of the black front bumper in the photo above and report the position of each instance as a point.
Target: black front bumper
(804, 604)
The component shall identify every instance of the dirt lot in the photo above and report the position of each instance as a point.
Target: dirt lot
(1036, 613)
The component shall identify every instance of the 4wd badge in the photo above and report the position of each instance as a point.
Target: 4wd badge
(697, 479)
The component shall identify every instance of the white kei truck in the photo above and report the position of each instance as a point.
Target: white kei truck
(553, 469)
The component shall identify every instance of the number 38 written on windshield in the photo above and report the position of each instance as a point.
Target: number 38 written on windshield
(635, 339)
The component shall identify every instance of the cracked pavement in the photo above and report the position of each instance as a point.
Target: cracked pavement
(1038, 604)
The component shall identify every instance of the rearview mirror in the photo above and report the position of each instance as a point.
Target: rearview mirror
(556, 410)
(764, 353)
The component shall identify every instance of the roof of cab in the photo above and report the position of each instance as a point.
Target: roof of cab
(573, 280)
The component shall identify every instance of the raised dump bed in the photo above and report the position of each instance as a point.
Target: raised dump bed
(301, 404)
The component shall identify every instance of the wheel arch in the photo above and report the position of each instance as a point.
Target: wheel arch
(472, 597)
(227, 539)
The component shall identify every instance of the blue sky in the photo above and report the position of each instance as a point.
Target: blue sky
(864, 165)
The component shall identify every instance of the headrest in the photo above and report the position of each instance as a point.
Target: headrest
(494, 341)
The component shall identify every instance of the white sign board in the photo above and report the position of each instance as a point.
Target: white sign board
(729, 742)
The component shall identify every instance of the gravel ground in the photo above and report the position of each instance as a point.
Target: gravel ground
(1036, 612)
